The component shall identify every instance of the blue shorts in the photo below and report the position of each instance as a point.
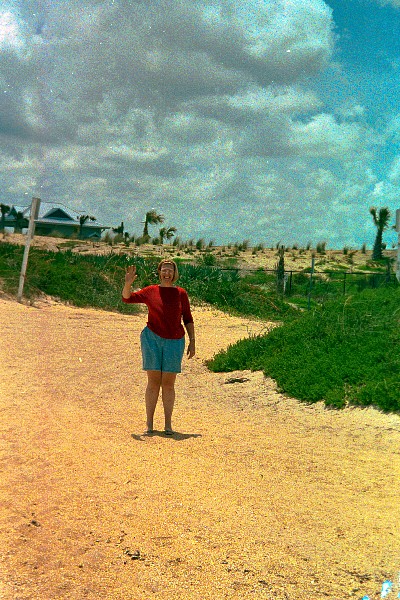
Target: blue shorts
(160, 354)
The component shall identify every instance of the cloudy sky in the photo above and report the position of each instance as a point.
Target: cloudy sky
(267, 120)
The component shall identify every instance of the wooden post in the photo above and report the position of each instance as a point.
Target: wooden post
(31, 230)
(311, 282)
(398, 243)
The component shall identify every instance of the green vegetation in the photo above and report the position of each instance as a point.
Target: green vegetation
(166, 233)
(82, 280)
(151, 218)
(381, 222)
(346, 351)
(4, 209)
(97, 280)
(82, 221)
(226, 290)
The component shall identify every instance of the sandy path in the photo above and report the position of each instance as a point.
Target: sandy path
(258, 496)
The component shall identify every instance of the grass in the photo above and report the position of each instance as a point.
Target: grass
(226, 290)
(88, 280)
(333, 284)
(344, 352)
(81, 280)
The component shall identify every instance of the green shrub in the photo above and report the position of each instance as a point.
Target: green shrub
(200, 244)
(346, 351)
(208, 259)
(97, 280)
(260, 277)
(82, 280)
(226, 290)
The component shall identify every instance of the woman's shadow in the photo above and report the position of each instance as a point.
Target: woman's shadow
(176, 435)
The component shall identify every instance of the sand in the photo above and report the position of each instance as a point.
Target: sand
(295, 260)
(256, 496)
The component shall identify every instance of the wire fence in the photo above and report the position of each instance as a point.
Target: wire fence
(303, 287)
(318, 286)
(337, 282)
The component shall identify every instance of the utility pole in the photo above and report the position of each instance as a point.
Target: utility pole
(398, 243)
(31, 230)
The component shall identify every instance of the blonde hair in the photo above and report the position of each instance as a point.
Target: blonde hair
(168, 261)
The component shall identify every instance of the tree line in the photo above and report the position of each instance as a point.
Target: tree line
(151, 218)
(381, 219)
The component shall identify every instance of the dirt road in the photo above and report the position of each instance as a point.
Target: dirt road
(256, 496)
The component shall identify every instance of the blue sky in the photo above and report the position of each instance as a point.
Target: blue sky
(275, 120)
(368, 47)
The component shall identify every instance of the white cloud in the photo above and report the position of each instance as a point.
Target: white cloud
(324, 137)
(394, 172)
(321, 137)
(392, 131)
(285, 100)
(162, 54)
(200, 109)
(11, 34)
(394, 3)
(282, 40)
(352, 112)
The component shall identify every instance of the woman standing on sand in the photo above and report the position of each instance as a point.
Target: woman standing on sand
(163, 339)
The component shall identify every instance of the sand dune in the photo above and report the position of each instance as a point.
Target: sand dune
(295, 260)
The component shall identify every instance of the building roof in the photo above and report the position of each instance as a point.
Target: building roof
(59, 216)
(66, 223)
(55, 216)
(14, 210)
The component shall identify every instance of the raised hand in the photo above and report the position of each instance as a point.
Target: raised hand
(130, 275)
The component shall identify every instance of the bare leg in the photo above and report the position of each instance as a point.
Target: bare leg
(151, 396)
(168, 397)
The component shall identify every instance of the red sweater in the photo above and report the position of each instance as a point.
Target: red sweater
(167, 306)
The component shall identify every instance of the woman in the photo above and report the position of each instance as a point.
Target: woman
(163, 340)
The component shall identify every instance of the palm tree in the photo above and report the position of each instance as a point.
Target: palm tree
(167, 233)
(162, 234)
(381, 222)
(119, 229)
(171, 232)
(5, 209)
(152, 218)
(82, 221)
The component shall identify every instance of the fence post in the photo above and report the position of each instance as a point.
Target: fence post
(31, 230)
(311, 281)
(398, 243)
